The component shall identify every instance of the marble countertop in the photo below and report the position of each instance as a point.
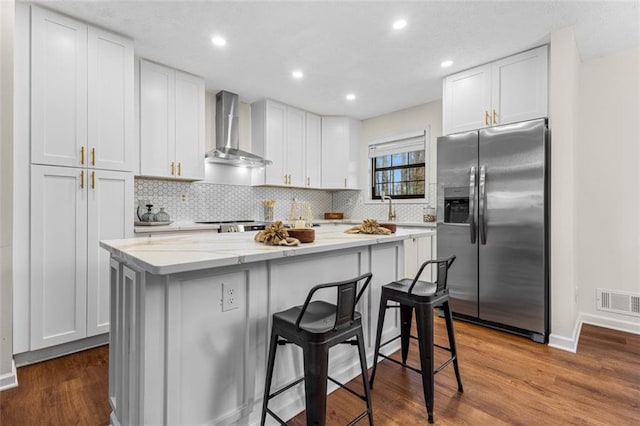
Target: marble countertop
(184, 226)
(194, 251)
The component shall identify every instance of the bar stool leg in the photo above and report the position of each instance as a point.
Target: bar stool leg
(381, 314)
(424, 322)
(273, 345)
(365, 380)
(406, 313)
(452, 342)
(316, 370)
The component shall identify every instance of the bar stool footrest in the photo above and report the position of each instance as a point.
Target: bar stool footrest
(345, 387)
(287, 387)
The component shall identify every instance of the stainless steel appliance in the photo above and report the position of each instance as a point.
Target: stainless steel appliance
(493, 215)
(227, 149)
(237, 225)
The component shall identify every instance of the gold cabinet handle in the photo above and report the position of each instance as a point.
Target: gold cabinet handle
(93, 180)
(486, 118)
(289, 180)
(308, 181)
(81, 179)
(179, 168)
(345, 182)
(495, 117)
(93, 156)
(82, 155)
(173, 168)
(285, 179)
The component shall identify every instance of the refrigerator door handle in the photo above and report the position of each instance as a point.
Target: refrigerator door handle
(472, 204)
(482, 219)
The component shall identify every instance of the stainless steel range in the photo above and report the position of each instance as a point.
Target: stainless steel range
(237, 225)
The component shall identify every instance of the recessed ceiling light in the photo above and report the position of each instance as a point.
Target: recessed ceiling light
(351, 97)
(218, 41)
(399, 24)
(446, 64)
(297, 74)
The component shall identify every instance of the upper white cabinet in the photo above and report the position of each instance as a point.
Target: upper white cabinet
(72, 209)
(81, 94)
(172, 127)
(506, 91)
(279, 134)
(313, 151)
(340, 143)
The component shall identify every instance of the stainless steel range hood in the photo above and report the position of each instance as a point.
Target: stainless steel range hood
(227, 149)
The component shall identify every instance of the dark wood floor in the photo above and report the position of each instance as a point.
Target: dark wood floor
(507, 380)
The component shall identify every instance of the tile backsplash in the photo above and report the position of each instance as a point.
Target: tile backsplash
(202, 201)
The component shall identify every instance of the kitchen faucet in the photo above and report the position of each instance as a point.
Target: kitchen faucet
(392, 213)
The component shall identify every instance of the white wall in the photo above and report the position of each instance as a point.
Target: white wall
(607, 183)
(8, 377)
(563, 81)
(414, 118)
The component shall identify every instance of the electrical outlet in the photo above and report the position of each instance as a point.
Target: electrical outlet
(230, 295)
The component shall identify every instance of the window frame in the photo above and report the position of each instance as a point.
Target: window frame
(419, 199)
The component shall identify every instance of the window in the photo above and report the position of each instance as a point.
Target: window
(398, 167)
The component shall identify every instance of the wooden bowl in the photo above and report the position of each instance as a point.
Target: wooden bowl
(334, 215)
(305, 235)
(390, 226)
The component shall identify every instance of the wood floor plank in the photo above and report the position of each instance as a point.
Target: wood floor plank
(508, 380)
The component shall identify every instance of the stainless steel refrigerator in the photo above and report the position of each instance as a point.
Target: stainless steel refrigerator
(493, 215)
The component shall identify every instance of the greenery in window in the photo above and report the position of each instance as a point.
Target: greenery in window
(399, 175)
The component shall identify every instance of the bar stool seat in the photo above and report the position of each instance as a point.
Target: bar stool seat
(315, 327)
(423, 297)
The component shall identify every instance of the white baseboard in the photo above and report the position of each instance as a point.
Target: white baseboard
(567, 343)
(9, 380)
(570, 343)
(612, 323)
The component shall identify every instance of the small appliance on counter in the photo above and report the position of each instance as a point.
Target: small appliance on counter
(236, 225)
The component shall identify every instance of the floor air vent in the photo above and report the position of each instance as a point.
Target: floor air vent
(618, 301)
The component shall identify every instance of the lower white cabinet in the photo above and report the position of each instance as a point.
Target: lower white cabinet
(416, 252)
(72, 209)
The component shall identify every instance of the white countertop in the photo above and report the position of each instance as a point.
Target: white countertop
(184, 226)
(193, 251)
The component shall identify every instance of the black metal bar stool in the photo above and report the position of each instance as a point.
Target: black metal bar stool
(422, 296)
(316, 327)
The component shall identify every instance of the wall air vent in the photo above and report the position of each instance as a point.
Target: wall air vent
(617, 301)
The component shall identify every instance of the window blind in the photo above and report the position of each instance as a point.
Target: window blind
(406, 143)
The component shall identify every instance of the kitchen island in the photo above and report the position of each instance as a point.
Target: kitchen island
(191, 314)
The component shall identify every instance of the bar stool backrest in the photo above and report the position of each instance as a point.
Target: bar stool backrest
(346, 300)
(443, 266)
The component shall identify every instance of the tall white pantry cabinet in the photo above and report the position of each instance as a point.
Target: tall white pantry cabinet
(81, 187)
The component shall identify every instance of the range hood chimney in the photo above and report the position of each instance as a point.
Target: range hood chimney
(227, 149)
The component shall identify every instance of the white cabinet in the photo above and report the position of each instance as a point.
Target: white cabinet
(81, 94)
(279, 135)
(171, 123)
(340, 143)
(416, 252)
(506, 91)
(71, 210)
(313, 151)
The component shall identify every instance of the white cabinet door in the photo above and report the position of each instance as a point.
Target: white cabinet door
(294, 147)
(58, 89)
(506, 91)
(519, 87)
(110, 94)
(110, 214)
(313, 150)
(58, 255)
(274, 140)
(466, 100)
(189, 110)
(340, 141)
(157, 120)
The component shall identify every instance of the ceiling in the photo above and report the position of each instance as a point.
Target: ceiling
(349, 46)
